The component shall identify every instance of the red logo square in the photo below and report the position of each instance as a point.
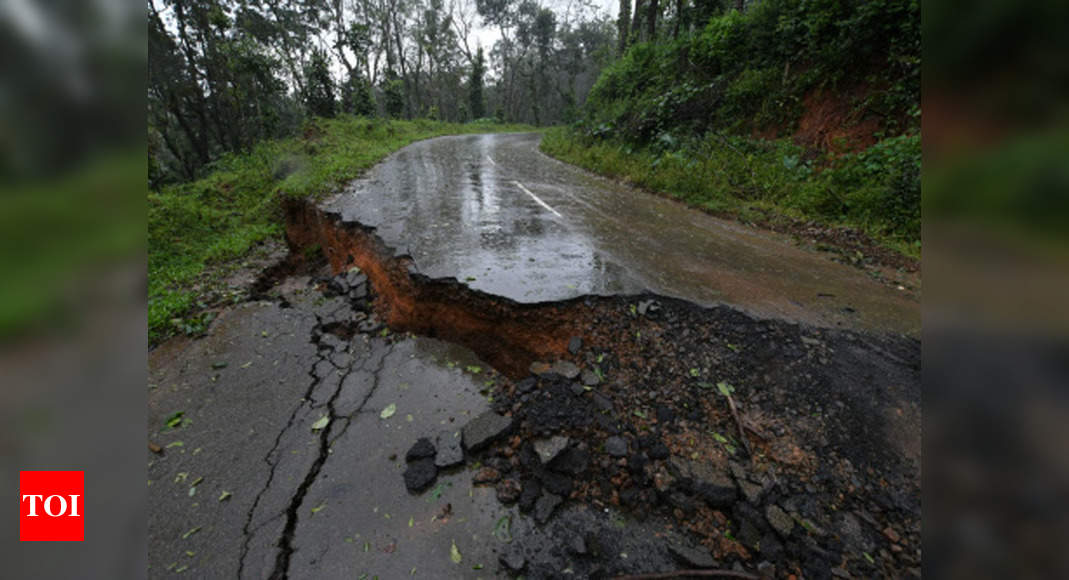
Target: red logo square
(51, 506)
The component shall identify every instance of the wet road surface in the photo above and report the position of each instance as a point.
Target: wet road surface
(494, 212)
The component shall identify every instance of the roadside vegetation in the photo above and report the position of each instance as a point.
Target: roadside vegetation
(770, 110)
(197, 225)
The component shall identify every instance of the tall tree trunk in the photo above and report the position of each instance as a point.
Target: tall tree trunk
(636, 24)
(651, 22)
(623, 25)
(740, 5)
(679, 18)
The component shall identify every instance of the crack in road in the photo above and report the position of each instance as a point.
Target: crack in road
(285, 542)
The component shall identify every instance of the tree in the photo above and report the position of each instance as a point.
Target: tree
(393, 95)
(319, 86)
(356, 96)
(623, 26)
(475, 86)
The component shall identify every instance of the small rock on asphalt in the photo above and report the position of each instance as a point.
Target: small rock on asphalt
(450, 452)
(698, 557)
(590, 378)
(574, 344)
(602, 402)
(484, 429)
(423, 448)
(779, 520)
(549, 449)
(508, 491)
(420, 474)
(565, 369)
(527, 385)
(616, 446)
(545, 506)
(513, 560)
(486, 475)
(532, 490)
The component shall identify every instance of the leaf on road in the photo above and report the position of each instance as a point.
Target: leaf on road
(454, 553)
(503, 529)
(725, 388)
(190, 532)
(411, 521)
(319, 508)
(388, 411)
(175, 420)
(247, 365)
(321, 423)
(225, 496)
(192, 491)
(474, 369)
(219, 365)
(175, 444)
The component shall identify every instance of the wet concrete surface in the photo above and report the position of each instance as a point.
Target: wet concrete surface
(276, 497)
(494, 212)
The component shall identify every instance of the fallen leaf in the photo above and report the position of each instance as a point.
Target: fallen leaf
(175, 420)
(503, 529)
(247, 365)
(454, 553)
(219, 365)
(725, 388)
(190, 532)
(388, 411)
(411, 521)
(319, 508)
(225, 496)
(321, 423)
(175, 444)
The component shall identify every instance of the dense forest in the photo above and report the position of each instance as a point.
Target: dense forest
(225, 74)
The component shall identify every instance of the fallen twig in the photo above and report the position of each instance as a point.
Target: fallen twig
(692, 573)
(738, 422)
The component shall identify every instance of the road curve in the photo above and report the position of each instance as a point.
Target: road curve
(494, 212)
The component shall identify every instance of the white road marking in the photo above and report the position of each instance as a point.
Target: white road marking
(535, 197)
(491, 159)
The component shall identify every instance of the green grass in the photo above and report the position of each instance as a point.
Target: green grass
(196, 226)
(876, 191)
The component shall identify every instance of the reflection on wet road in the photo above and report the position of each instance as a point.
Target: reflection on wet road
(495, 213)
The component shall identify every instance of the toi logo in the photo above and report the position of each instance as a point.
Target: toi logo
(50, 506)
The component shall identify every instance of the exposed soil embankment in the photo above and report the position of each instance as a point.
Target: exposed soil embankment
(506, 334)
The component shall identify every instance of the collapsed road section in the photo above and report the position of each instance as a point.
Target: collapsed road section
(777, 448)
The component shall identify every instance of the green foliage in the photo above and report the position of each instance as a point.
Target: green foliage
(393, 94)
(319, 86)
(357, 98)
(749, 71)
(196, 227)
(876, 190)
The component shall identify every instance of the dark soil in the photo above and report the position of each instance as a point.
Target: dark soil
(832, 418)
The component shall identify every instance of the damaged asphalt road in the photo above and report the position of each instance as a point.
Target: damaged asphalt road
(599, 435)
(253, 483)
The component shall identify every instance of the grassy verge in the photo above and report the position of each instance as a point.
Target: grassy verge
(196, 226)
(876, 191)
